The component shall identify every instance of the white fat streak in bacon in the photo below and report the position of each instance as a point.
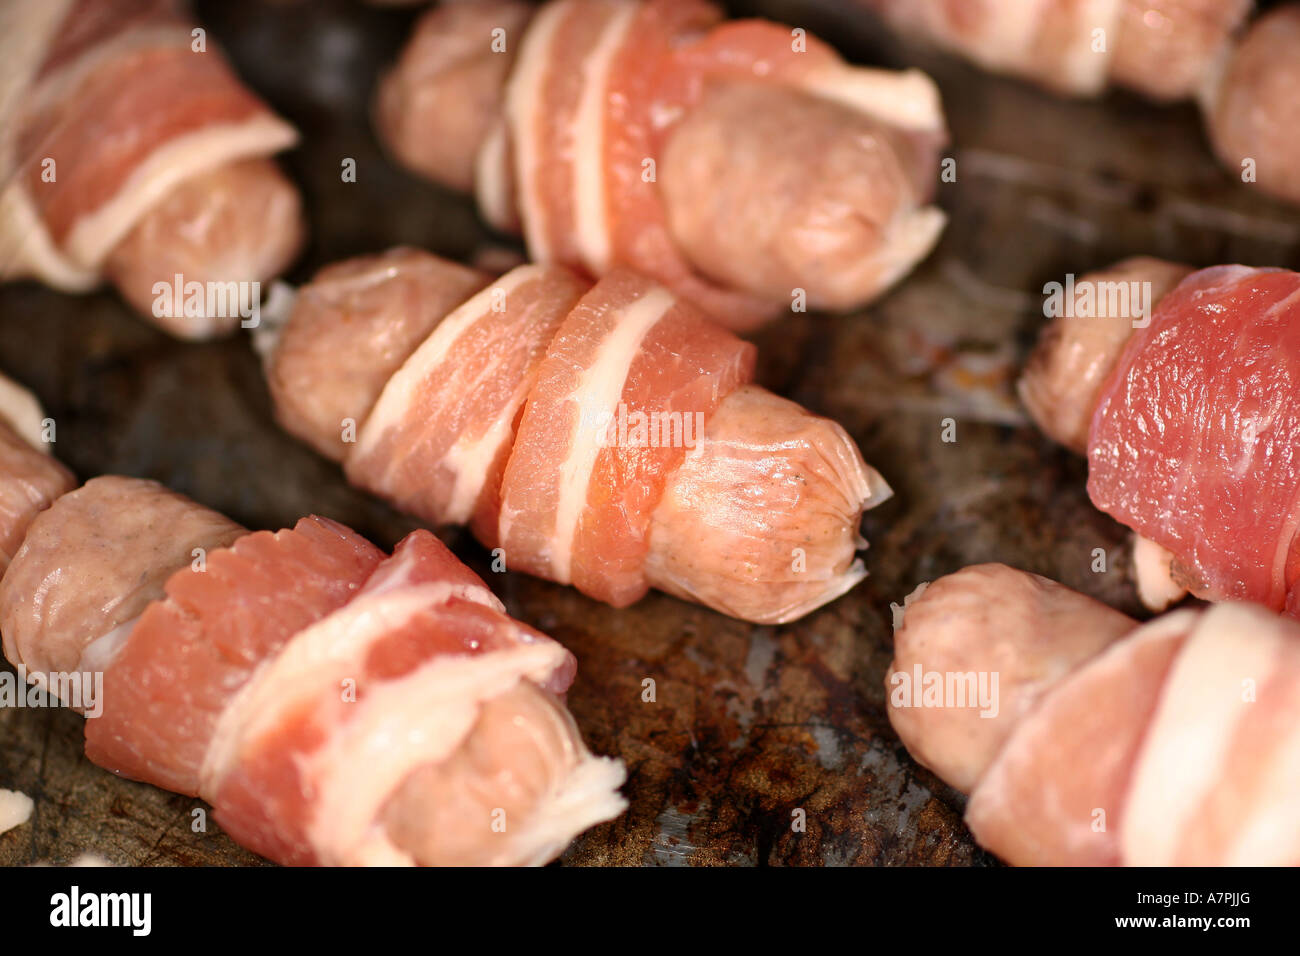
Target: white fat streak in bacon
(322, 655)
(591, 217)
(1182, 758)
(468, 459)
(1215, 73)
(64, 81)
(1282, 305)
(1085, 69)
(1270, 835)
(96, 233)
(492, 175)
(1006, 31)
(398, 727)
(1003, 34)
(597, 394)
(525, 92)
(26, 249)
(907, 99)
(396, 575)
(20, 409)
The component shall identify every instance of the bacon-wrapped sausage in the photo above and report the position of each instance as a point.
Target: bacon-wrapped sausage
(1103, 743)
(1163, 49)
(130, 151)
(644, 135)
(1247, 82)
(1193, 425)
(333, 704)
(603, 436)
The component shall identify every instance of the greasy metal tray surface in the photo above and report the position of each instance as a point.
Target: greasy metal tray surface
(750, 723)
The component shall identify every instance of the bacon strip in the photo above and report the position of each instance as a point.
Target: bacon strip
(557, 123)
(452, 455)
(187, 654)
(1235, 692)
(1053, 796)
(1194, 438)
(576, 505)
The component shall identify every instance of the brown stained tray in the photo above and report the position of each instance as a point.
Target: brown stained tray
(750, 722)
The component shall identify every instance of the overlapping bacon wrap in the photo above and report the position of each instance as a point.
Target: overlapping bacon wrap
(1191, 424)
(1105, 743)
(604, 436)
(333, 704)
(130, 151)
(738, 163)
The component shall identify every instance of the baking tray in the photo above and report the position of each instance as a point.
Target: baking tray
(750, 723)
